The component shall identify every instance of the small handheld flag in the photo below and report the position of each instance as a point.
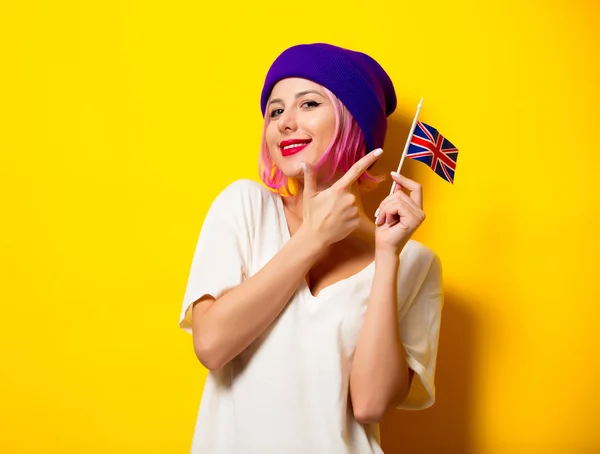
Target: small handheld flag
(427, 145)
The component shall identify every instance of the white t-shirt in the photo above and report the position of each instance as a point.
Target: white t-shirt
(287, 393)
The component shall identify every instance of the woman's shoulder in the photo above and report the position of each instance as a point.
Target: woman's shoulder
(243, 191)
(245, 203)
(244, 184)
(420, 263)
(422, 270)
(419, 254)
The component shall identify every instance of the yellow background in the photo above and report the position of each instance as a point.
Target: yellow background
(121, 121)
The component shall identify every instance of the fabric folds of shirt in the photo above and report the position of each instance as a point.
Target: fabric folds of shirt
(288, 391)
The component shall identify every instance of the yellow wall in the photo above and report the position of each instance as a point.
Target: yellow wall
(120, 122)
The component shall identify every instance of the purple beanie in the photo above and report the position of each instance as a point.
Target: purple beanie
(355, 78)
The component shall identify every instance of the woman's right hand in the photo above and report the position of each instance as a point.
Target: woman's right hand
(332, 214)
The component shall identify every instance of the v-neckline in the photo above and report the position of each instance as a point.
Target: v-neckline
(285, 229)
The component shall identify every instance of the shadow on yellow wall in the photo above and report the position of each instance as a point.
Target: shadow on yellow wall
(445, 427)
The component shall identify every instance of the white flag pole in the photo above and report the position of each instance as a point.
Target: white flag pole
(410, 136)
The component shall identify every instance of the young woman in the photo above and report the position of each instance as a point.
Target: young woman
(312, 319)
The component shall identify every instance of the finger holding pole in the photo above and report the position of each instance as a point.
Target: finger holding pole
(408, 140)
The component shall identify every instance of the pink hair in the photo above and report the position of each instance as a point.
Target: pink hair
(347, 147)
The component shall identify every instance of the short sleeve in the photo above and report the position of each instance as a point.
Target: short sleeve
(220, 260)
(420, 330)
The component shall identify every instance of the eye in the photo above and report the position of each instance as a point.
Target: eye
(276, 112)
(311, 103)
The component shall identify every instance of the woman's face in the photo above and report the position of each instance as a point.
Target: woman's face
(301, 124)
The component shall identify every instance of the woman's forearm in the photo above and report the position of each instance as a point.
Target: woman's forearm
(225, 327)
(379, 373)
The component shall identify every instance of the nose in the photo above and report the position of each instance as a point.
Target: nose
(287, 121)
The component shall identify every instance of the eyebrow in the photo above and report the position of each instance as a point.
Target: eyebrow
(298, 95)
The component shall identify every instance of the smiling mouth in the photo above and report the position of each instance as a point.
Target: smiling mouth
(293, 147)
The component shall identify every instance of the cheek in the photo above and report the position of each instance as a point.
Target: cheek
(331, 129)
(269, 131)
(271, 136)
(324, 127)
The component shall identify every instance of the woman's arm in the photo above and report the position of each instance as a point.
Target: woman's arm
(379, 376)
(223, 328)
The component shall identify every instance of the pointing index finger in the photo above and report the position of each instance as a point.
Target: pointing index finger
(357, 169)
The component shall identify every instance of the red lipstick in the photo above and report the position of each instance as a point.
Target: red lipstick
(298, 146)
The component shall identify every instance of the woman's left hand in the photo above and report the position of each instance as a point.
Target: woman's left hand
(400, 215)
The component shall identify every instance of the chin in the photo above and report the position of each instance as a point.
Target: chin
(292, 171)
(290, 166)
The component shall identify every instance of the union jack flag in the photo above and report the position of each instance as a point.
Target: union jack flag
(429, 146)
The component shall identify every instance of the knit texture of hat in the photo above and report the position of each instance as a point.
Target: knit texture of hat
(360, 83)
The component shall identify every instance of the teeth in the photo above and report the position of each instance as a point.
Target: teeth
(294, 145)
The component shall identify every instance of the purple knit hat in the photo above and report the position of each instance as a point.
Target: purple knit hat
(355, 78)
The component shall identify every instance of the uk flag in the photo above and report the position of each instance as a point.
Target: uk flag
(429, 146)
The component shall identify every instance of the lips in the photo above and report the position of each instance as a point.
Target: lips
(293, 146)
